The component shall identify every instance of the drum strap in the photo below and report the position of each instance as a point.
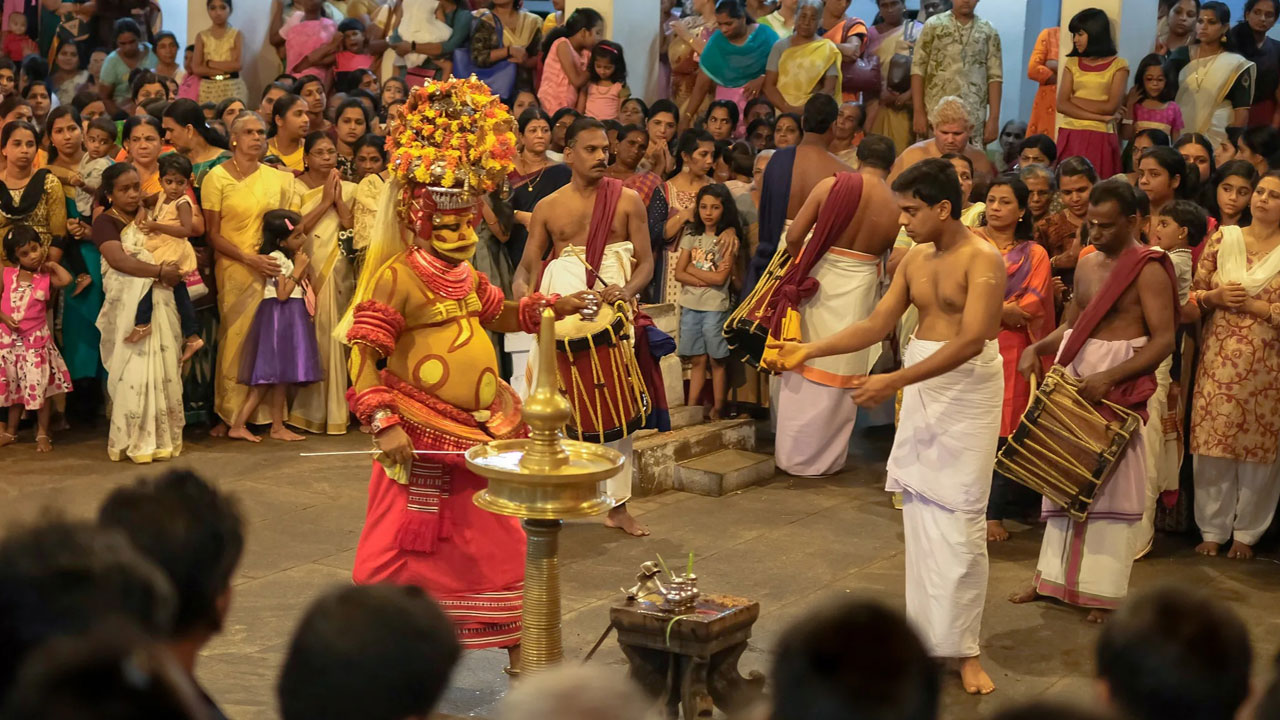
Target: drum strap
(607, 195)
(775, 195)
(1134, 392)
(797, 285)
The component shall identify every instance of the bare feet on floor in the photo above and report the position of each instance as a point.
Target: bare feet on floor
(996, 531)
(513, 663)
(219, 430)
(1208, 548)
(7, 438)
(241, 433)
(619, 517)
(976, 681)
(1097, 616)
(191, 347)
(1026, 596)
(140, 332)
(285, 434)
(1240, 551)
(44, 444)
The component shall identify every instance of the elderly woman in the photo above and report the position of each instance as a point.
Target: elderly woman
(235, 195)
(1235, 419)
(803, 63)
(325, 199)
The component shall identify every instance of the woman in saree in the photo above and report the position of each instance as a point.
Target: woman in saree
(371, 166)
(325, 200)
(143, 379)
(351, 122)
(520, 44)
(689, 39)
(1215, 87)
(31, 196)
(187, 131)
(893, 35)
(290, 123)
(142, 141)
(234, 196)
(533, 178)
(733, 60)
(304, 37)
(802, 64)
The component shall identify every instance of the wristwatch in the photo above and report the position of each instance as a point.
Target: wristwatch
(382, 420)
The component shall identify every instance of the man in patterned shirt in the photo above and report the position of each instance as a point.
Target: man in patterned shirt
(958, 53)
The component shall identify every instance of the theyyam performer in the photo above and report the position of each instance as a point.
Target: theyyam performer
(953, 382)
(423, 308)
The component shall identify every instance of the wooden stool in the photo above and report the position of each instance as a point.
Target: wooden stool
(692, 661)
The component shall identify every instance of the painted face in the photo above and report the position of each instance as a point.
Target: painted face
(1233, 196)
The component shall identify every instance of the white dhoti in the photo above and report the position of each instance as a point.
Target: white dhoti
(1235, 498)
(1088, 563)
(815, 412)
(565, 275)
(942, 458)
(1163, 456)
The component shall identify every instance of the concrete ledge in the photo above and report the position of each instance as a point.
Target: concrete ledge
(723, 472)
(654, 462)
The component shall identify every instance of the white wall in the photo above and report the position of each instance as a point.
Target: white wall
(186, 18)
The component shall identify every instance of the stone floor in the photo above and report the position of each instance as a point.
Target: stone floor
(791, 545)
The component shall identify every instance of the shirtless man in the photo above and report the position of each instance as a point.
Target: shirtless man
(567, 217)
(952, 383)
(857, 220)
(951, 130)
(791, 175)
(1121, 320)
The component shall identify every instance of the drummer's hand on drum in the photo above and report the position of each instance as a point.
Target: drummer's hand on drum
(1029, 363)
(1096, 386)
(791, 355)
(613, 294)
(574, 304)
(395, 443)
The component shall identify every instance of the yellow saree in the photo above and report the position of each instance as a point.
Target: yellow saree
(240, 205)
(802, 68)
(321, 407)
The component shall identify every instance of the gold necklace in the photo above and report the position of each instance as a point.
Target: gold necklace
(1199, 76)
(243, 175)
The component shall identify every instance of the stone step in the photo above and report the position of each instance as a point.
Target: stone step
(683, 416)
(656, 455)
(723, 472)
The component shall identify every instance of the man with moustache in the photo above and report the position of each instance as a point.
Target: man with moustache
(598, 240)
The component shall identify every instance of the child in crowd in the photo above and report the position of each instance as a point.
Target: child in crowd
(608, 85)
(16, 44)
(31, 368)
(567, 53)
(1092, 89)
(167, 226)
(394, 89)
(218, 56)
(707, 256)
(1152, 105)
(99, 144)
(281, 348)
(189, 88)
(1176, 228)
(353, 47)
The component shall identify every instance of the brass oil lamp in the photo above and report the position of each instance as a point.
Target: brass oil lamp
(544, 479)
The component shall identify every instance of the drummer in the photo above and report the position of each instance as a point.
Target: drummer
(1117, 329)
(599, 241)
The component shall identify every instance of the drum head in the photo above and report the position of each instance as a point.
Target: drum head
(575, 326)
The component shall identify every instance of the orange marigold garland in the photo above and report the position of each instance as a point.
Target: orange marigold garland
(453, 134)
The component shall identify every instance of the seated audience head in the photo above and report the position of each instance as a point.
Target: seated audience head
(757, 168)
(394, 88)
(1076, 178)
(1260, 146)
(311, 89)
(757, 108)
(560, 123)
(788, 130)
(695, 153)
(523, 100)
(1037, 149)
(633, 111)
(721, 119)
(740, 159)
(535, 131)
(1006, 206)
(1197, 150)
(964, 171)
(951, 124)
(662, 120)
(375, 652)
(821, 669)
(633, 140)
(185, 126)
(760, 134)
(1143, 141)
(192, 532)
(820, 113)
(1174, 653)
(1011, 137)
(876, 154)
(289, 118)
(1232, 190)
(849, 122)
(1039, 182)
(370, 155)
(112, 673)
(576, 692)
(64, 578)
(1163, 176)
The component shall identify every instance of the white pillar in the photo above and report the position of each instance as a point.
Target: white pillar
(633, 24)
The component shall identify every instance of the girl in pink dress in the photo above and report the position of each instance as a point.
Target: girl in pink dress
(304, 36)
(31, 368)
(567, 50)
(1153, 107)
(608, 86)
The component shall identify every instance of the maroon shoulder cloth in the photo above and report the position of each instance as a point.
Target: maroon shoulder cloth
(837, 213)
(1134, 392)
(608, 192)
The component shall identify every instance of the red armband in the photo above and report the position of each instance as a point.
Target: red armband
(364, 404)
(377, 325)
(491, 299)
(530, 314)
